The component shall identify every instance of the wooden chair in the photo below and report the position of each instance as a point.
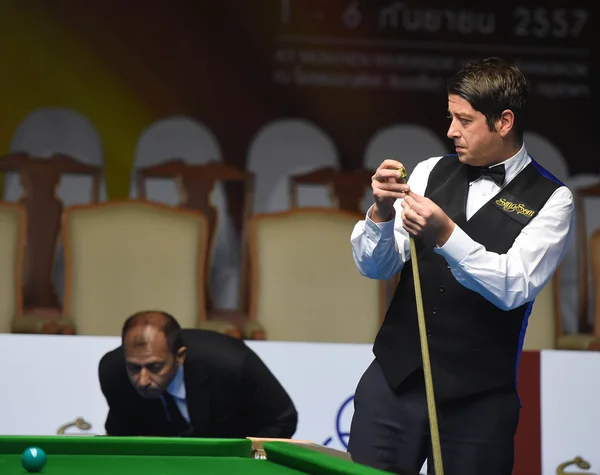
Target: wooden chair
(346, 189)
(588, 336)
(13, 225)
(580, 196)
(346, 192)
(283, 147)
(545, 327)
(595, 251)
(304, 285)
(544, 322)
(196, 184)
(125, 256)
(40, 178)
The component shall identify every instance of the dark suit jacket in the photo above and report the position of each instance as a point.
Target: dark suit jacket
(230, 393)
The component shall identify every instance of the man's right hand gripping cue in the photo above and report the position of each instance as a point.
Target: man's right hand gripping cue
(420, 215)
(388, 186)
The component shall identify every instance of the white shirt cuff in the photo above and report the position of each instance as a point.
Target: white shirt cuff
(457, 247)
(379, 231)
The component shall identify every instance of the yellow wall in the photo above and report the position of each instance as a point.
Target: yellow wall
(43, 65)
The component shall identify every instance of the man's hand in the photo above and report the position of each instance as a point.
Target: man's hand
(421, 217)
(388, 185)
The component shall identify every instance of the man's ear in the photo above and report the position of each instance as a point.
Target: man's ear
(180, 357)
(506, 122)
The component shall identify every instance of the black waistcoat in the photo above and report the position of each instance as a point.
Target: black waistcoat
(474, 346)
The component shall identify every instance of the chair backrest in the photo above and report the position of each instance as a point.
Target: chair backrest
(544, 325)
(346, 189)
(13, 228)
(196, 186)
(582, 233)
(304, 285)
(40, 178)
(595, 251)
(282, 148)
(125, 256)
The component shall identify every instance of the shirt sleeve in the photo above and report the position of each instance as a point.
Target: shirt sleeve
(515, 278)
(380, 250)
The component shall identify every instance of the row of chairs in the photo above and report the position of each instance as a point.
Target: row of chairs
(196, 184)
(43, 284)
(300, 282)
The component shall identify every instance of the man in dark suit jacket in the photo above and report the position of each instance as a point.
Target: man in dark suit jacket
(165, 381)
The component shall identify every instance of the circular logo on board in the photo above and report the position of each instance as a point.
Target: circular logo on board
(343, 420)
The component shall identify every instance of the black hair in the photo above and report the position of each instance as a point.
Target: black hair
(491, 86)
(166, 322)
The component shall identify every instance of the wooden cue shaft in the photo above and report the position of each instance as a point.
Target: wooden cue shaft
(431, 406)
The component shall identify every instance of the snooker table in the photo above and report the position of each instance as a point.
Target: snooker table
(105, 455)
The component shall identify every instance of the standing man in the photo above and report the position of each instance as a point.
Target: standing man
(491, 226)
(169, 382)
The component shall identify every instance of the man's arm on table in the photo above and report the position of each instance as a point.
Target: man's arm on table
(515, 278)
(119, 421)
(381, 249)
(268, 404)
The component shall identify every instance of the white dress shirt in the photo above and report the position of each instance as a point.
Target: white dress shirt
(508, 280)
(177, 390)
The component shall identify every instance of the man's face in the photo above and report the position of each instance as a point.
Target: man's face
(475, 144)
(150, 365)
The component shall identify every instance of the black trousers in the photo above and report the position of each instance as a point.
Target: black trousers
(390, 429)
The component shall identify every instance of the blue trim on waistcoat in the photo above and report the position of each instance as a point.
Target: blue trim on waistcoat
(545, 173)
(521, 342)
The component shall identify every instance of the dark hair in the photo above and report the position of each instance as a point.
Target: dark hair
(491, 86)
(159, 319)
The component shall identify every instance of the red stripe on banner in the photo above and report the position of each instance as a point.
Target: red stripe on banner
(528, 451)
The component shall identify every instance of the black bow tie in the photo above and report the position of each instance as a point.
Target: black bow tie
(495, 173)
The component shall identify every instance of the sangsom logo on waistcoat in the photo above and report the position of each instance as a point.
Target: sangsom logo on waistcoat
(518, 208)
(514, 207)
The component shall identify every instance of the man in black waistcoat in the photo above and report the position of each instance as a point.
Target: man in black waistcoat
(491, 226)
(172, 382)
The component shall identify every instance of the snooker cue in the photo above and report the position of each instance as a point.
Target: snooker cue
(431, 409)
